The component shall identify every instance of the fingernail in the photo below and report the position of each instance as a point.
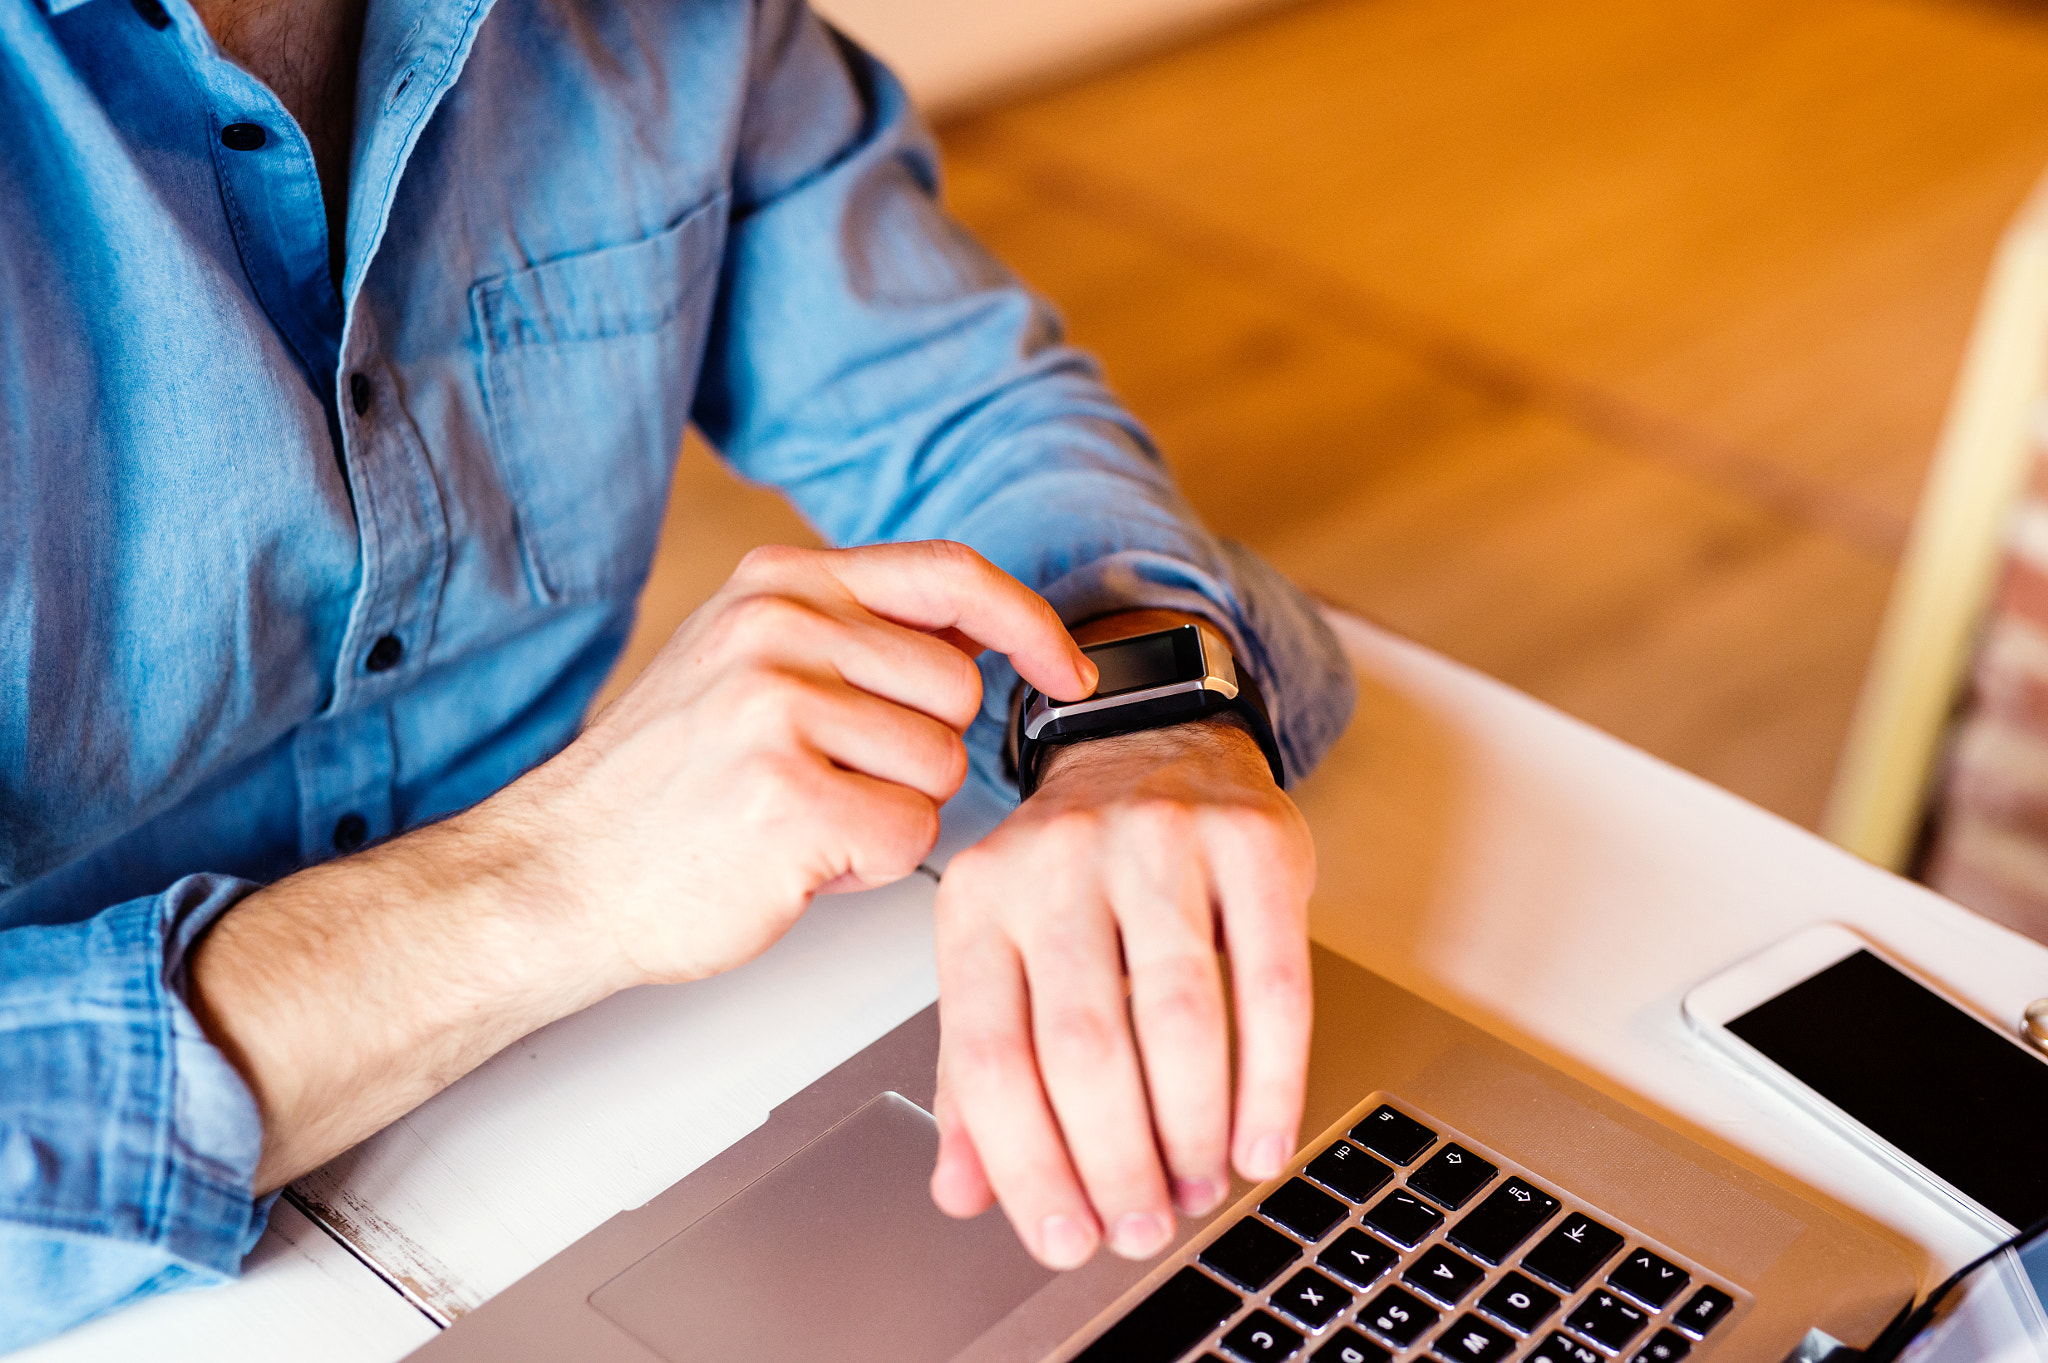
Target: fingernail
(1266, 1157)
(1091, 675)
(1065, 1242)
(1197, 1196)
(1141, 1235)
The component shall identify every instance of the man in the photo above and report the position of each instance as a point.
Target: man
(344, 353)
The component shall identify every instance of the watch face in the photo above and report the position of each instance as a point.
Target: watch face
(1147, 660)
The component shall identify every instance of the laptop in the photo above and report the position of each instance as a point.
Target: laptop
(1459, 1201)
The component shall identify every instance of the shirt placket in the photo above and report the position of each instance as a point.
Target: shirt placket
(344, 759)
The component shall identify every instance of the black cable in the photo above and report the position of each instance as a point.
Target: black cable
(1890, 1344)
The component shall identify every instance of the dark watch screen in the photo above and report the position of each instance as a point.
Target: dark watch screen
(1147, 660)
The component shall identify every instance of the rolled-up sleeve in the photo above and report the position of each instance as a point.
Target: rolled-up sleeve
(128, 1143)
(898, 383)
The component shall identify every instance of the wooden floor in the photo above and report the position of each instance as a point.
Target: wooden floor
(1598, 344)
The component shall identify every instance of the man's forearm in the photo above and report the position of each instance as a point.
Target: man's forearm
(787, 739)
(351, 992)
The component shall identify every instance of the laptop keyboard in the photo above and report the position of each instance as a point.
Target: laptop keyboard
(1398, 1238)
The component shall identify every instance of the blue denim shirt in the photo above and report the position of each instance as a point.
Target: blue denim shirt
(283, 567)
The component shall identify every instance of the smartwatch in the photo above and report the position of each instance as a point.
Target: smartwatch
(1147, 682)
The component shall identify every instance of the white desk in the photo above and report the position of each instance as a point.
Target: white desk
(1547, 882)
(301, 1297)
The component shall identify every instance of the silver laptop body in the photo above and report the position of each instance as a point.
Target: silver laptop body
(814, 1238)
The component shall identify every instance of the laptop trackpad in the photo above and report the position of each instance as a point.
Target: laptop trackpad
(835, 1253)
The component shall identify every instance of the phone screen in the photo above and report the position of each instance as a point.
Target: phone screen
(1946, 1090)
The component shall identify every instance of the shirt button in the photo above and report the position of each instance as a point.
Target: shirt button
(152, 14)
(241, 137)
(350, 832)
(384, 654)
(359, 393)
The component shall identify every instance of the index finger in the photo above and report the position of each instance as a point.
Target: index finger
(938, 586)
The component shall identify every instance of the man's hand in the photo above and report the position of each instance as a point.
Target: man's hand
(797, 734)
(1087, 1116)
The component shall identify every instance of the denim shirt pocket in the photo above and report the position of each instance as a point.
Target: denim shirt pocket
(589, 365)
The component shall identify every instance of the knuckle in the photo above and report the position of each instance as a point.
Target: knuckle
(1084, 1036)
(963, 873)
(769, 701)
(946, 766)
(963, 898)
(1072, 833)
(1165, 823)
(1282, 987)
(1182, 997)
(984, 1052)
(1251, 825)
(952, 556)
(770, 560)
(781, 784)
(897, 845)
(758, 618)
(960, 689)
(1061, 943)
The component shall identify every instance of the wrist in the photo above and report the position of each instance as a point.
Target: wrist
(1223, 740)
(351, 992)
(520, 882)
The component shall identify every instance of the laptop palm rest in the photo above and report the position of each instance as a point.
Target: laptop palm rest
(837, 1252)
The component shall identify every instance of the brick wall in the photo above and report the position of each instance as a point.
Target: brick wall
(1989, 844)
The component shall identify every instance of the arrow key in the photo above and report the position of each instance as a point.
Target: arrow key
(1648, 1278)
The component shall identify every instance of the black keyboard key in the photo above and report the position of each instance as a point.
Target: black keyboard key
(1387, 1132)
(1404, 1219)
(1568, 1255)
(1649, 1278)
(1166, 1324)
(1519, 1302)
(1493, 1229)
(1347, 1170)
(1444, 1274)
(1303, 1208)
(1606, 1319)
(1311, 1298)
(1357, 1258)
(1349, 1346)
(1472, 1340)
(1260, 1338)
(1452, 1175)
(1561, 1348)
(1398, 1316)
(1704, 1311)
(1250, 1254)
(1666, 1346)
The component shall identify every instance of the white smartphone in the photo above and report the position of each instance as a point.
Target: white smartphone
(1947, 1097)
